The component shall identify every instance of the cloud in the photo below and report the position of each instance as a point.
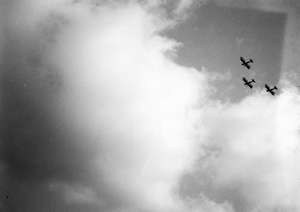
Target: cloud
(110, 120)
(122, 91)
(114, 113)
(252, 148)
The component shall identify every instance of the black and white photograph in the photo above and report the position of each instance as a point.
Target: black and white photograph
(149, 105)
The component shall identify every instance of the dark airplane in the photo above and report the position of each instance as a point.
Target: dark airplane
(271, 89)
(248, 83)
(246, 64)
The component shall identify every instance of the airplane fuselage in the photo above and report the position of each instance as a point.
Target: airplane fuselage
(246, 63)
(270, 90)
(248, 83)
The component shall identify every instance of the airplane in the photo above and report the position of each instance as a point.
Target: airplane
(244, 63)
(248, 82)
(271, 89)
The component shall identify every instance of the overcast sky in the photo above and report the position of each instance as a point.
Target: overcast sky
(140, 106)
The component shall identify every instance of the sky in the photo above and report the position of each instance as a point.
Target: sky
(139, 105)
(213, 31)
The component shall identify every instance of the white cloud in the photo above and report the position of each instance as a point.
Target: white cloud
(256, 143)
(132, 102)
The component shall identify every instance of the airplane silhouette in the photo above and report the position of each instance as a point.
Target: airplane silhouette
(246, 64)
(271, 89)
(248, 82)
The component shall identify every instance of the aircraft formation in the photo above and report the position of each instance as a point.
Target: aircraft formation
(249, 83)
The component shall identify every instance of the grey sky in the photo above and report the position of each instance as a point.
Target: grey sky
(215, 37)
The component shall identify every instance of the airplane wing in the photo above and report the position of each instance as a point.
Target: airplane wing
(272, 92)
(251, 86)
(267, 87)
(247, 65)
(242, 59)
(245, 80)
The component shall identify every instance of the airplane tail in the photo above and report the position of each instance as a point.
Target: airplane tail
(251, 60)
(275, 88)
(253, 80)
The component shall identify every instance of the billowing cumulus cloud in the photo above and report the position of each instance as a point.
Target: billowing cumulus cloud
(100, 118)
(252, 152)
(117, 125)
(131, 101)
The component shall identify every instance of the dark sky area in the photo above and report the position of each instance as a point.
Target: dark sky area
(35, 145)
